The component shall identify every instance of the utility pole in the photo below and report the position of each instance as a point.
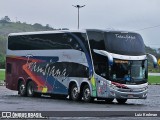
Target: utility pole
(78, 6)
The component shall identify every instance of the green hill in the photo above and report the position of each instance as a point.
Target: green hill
(6, 27)
(10, 27)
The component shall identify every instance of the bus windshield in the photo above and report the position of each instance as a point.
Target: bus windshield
(124, 43)
(129, 71)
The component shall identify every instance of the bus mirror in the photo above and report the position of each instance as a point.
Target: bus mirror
(105, 53)
(154, 59)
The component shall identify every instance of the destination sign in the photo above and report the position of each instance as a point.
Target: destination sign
(121, 61)
(126, 36)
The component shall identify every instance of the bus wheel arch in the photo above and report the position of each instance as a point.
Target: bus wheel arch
(21, 87)
(74, 91)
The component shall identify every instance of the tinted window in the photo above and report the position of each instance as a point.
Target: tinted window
(43, 42)
(100, 65)
(96, 40)
(83, 40)
(124, 43)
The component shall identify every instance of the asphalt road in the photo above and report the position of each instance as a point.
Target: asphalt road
(10, 101)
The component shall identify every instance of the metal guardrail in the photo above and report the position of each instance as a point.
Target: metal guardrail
(3, 69)
(2, 83)
(154, 74)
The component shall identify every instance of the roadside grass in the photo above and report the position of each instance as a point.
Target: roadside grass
(2, 75)
(153, 79)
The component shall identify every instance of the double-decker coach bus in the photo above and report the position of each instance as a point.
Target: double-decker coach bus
(83, 64)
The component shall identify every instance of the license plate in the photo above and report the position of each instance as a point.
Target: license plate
(130, 95)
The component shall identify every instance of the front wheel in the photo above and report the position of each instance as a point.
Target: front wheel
(30, 89)
(87, 94)
(121, 101)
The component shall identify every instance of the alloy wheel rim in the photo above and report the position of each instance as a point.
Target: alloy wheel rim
(87, 93)
(75, 92)
(22, 88)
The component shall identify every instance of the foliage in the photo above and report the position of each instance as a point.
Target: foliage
(150, 63)
(7, 27)
(2, 75)
(154, 79)
(2, 61)
(5, 20)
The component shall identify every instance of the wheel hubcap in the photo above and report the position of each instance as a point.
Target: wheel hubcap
(87, 93)
(75, 92)
(22, 88)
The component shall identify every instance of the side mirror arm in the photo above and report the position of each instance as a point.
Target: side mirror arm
(154, 59)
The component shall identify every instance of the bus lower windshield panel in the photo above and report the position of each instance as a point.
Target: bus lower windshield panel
(129, 72)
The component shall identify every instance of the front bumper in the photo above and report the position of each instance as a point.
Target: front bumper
(117, 93)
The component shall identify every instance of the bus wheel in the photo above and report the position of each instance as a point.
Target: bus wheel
(87, 94)
(21, 89)
(74, 95)
(121, 101)
(30, 89)
(109, 100)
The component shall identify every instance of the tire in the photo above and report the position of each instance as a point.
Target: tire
(74, 95)
(109, 100)
(87, 94)
(30, 89)
(22, 89)
(121, 101)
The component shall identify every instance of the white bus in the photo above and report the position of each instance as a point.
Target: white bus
(83, 64)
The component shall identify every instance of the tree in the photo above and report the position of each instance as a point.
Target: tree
(48, 27)
(6, 19)
(38, 26)
(159, 50)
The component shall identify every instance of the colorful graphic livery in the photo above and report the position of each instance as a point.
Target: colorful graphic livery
(83, 64)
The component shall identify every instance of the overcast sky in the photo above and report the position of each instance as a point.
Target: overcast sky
(132, 15)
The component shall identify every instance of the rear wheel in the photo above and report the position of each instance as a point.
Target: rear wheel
(21, 89)
(87, 94)
(121, 101)
(74, 94)
(30, 89)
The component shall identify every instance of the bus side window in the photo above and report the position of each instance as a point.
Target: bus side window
(9, 68)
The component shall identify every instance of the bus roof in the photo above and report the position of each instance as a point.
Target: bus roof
(65, 31)
(46, 32)
(110, 30)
